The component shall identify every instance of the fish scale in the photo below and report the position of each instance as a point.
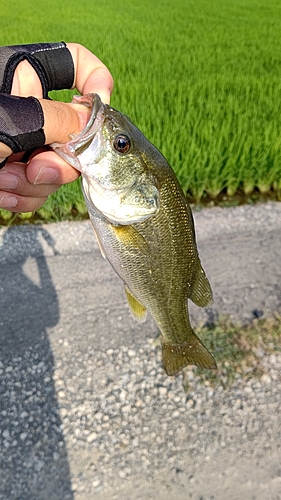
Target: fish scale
(144, 227)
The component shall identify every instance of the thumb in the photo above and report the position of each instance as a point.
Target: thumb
(63, 119)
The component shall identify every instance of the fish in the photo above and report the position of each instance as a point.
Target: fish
(144, 227)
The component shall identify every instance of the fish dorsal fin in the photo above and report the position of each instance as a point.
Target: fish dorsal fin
(137, 309)
(177, 356)
(201, 293)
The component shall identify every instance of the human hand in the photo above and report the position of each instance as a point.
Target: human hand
(26, 187)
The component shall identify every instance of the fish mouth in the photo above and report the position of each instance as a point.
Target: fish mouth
(80, 142)
(92, 101)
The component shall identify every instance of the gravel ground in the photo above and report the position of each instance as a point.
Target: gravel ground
(129, 431)
(86, 408)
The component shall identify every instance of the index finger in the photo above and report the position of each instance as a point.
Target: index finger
(91, 75)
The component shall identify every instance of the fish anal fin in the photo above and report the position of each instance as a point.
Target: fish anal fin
(177, 356)
(201, 293)
(138, 311)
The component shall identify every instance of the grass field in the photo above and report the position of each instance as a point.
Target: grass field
(239, 350)
(201, 78)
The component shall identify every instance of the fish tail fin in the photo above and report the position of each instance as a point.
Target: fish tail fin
(177, 356)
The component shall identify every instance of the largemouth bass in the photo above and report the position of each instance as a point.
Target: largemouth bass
(144, 227)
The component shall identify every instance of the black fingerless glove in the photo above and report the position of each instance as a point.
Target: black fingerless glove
(22, 119)
(21, 122)
(52, 62)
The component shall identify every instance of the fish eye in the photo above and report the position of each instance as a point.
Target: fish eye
(122, 143)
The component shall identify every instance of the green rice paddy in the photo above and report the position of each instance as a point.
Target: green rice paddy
(200, 78)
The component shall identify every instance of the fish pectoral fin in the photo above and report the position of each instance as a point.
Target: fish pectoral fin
(201, 293)
(130, 238)
(138, 311)
(177, 356)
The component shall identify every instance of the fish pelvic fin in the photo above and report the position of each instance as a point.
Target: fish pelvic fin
(176, 356)
(138, 311)
(201, 293)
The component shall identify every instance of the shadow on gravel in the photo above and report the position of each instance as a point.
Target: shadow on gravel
(33, 457)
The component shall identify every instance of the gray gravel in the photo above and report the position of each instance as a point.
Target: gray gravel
(86, 408)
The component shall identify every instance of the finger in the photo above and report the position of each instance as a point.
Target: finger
(18, 203)
(13, 180)
(26, 187)
(49, 168)
(91, 75)
(26, 82)
(61, 120)
(97, 83)
(5, 151)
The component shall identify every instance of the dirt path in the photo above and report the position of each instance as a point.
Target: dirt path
(86, 410)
